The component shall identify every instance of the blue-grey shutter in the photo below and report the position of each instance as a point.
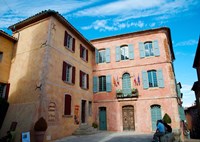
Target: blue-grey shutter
(118, 53)
(160, 78)
(107, 55)
(131, 51)
(142, 51)
(178, 90)
(156, 48)
(181, 113)
(145, 81)
(155, 115)
(95, 84)
(96, 56)
(108, 83)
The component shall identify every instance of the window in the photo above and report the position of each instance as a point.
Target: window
(69, 41)
(148, 49)
(102, 83)
(124, 53)
(155, 115)
(102, 56)
(67, 109)
(152, 78)
(90, 108)
(83, 53)
(126, 84)
(84, 80)
(2, 90)
(68, 74)
(1, 56)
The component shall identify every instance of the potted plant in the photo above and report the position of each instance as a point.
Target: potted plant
(40, 128)
(119, 92)
(134, 90)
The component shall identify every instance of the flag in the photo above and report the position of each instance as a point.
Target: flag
(117, 80)
(114, 81)
(138, 78)
(135, 82)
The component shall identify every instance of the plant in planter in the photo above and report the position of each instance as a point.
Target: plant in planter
(134, 90)
(94, 125)
(40, 128)
(119, 92)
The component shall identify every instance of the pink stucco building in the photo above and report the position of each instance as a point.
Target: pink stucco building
(134, 81)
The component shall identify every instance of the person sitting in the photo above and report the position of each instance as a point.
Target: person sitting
(160, 131)
(6, 138)
(168, 128)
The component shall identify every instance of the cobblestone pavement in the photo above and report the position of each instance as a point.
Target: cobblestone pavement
(109, 137)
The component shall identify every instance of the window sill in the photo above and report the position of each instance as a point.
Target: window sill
(153, 88)
(68, 83)
(69, 49)
(84, 60)
(84, 88)
(67, 116)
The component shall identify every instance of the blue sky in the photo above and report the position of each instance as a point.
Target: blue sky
(101, 18)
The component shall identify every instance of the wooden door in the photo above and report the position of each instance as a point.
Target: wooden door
(128, 118)
(83, 111)
(102, 118)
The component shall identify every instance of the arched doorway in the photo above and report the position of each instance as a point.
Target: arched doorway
(128, 118)
(155, 115)
(102, 118)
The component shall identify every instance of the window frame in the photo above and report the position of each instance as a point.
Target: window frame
(102, 59)
(152, 78)
(124, 50)
(102, 83)
(148, 47)
(83, 53)
(1, 56)
(84, 80)
(67, 106)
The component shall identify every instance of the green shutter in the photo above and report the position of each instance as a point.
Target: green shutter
(178, 90)
(160, 79)
(145, 81)
(118, 53)
(181, 113)
(142, 51)
(96, 56)
(108, 83)
(131, 51)
(95, 84)
(126, 84)
(155, 115)
(107, 55)
(156, 48)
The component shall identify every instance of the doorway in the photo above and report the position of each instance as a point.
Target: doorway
(102, 118)
(128, 118)
(83, 110)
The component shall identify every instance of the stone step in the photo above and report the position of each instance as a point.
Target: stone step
(85, 129)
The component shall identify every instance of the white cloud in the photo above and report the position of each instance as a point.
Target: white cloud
(188, 95)
(186, 43)
(103, 25)
(14, 10)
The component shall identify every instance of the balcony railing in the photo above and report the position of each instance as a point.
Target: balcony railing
(133, 94)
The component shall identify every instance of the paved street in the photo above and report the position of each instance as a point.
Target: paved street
(109, 137)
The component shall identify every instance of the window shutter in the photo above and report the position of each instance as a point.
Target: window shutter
(86, 55)
(80, 79)
(156, 48)
(160, 78)
(178, 90)
(65, 38)
(73, 74)
(108, 83)
(118, 53)
(95, 84)
(145, 81)
(87, 81)
(142, 51)
(64, 71)
(81, 50)
(96, 56)
(107, 55)
(73, 45)
(67, 105)
(131, 51)
(7, 91)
